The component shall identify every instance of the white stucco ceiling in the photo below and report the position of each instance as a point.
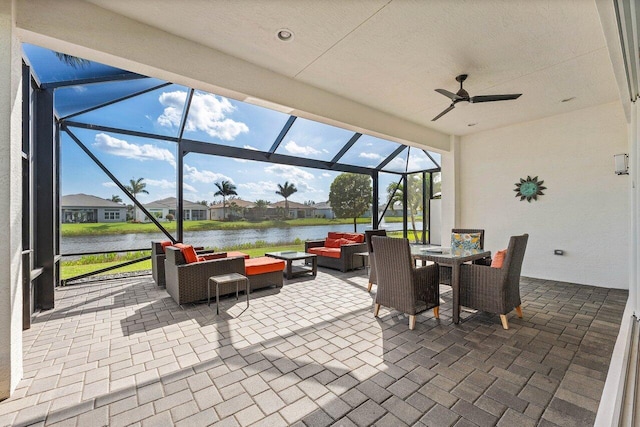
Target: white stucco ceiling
(391, 55)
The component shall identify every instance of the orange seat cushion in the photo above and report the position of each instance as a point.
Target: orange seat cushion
(165, 244)
(330, 252)
(263, 264)
(237, 254)
(209, 257)
(498, 259)
(317, 250)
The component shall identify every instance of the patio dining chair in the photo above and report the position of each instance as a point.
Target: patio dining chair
(445, 271)
(372, 262)
(495, 289)
(402, 285)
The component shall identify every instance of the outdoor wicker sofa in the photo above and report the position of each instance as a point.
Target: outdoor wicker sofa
(495, 290)
(187, 282)
(339, 256)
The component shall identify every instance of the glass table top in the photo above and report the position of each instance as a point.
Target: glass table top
(442, 252)
(289, 255)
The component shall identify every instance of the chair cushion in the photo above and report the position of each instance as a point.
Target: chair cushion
(208, 257)
(165, 243)
(332, 243)
(334, 235)
(231, 254)
(188, 252)
(263, 264)
(330, 252)
(355, 237)
(465, 241)
(498, 259)
(317, 250)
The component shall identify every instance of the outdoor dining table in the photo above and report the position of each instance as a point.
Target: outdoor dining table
(449, 258)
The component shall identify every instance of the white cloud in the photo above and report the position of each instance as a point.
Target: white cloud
(193, 174)
(109, 184)
(326, 175)
(122, 148)
(293, 148)
(165, 184)
(260, 187)
(290, 173)
(208, 113)
(249, 147)
(373, 156)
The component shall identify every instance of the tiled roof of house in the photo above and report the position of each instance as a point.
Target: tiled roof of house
(87, 201)
(171, 203)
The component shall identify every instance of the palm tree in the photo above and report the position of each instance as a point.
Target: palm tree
(261, 207)
(135, 187)
(225, 188)
(72, 61)
(115, 198)
(285, 191)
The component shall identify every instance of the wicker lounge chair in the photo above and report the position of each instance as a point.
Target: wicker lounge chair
(401, 285)
(372, 262)
(445, 271)
(495, 290)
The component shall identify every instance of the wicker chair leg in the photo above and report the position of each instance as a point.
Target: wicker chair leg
(412, 322)
(369, 287)
(436, 312)
(519, 311)
(505, 323)
(376, 309)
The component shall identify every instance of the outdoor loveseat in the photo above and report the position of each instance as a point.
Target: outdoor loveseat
(337, 250)
(187, 282)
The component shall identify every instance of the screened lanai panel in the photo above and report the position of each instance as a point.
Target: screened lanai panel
(224, 121)
(158, 112)
(368, 151)
(49, 68)
(131, 158)
(313, 140)
(74, 99)
(399, 163)
(419, 161)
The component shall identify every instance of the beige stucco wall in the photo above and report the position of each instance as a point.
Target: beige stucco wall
(10, 205)
(585, 210)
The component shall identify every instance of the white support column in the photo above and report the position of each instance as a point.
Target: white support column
(450, 189)
(634, 163)
(10, 203)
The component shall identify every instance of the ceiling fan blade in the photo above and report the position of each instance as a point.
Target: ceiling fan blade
(491, 98)
(452, 96)
(451, 107)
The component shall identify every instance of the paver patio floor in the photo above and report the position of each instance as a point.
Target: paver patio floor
(121, 352)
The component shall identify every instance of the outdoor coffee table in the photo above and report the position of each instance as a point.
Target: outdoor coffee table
(223, 279)
(294, 271)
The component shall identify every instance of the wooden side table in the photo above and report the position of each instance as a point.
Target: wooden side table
(224, 279)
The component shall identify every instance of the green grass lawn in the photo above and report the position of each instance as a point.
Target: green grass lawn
(76, 268)
(93, 229)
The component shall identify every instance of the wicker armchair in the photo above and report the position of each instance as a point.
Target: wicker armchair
(495, 290)
(188, 282)
(372, 262)
(401, 285)
(445, 271)
(158, 257)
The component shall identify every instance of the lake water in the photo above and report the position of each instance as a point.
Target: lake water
(210, 238)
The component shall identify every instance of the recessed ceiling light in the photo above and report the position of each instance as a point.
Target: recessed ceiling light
(285, 35)
(568, 99)
(472, 124)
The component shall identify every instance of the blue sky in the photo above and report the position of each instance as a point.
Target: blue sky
(212, 118)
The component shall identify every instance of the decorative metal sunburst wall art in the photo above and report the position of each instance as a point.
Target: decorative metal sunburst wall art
(529, 188)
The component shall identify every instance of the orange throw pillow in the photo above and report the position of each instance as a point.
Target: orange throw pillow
(165, 244)
(498, 259)
(332, 243)
(355, 237)
(334, 235)
(188, 252)
(346, 242)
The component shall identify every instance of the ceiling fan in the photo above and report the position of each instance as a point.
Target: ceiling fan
(463, 96)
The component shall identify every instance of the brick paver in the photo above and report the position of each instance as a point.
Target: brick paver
(311, 353)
